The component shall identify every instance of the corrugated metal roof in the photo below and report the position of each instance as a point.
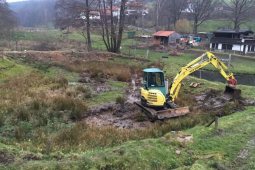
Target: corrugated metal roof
(163, 33)
(152, 70)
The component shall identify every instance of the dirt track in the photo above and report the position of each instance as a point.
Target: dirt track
(67, 54)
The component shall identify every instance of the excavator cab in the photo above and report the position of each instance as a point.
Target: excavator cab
(154, 90)
(155, 96)
(153, 78)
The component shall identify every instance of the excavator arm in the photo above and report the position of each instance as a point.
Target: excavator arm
(200, 62)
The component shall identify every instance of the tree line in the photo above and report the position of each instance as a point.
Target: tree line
(112, 16)
(111, 27)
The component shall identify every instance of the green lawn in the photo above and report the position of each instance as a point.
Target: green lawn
(174, 63)
(212, 25)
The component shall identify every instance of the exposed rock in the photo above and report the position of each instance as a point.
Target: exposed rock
(178, 152)
(185, 139)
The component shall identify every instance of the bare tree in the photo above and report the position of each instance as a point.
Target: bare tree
(159, 4)
(239, 11)
(201, 11)
(7, 19)
(112, 23)
(175, 8)
(75, 13)
(87, 14)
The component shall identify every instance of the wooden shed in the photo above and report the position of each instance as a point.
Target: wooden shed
(166, 37)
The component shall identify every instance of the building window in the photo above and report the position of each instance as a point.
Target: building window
(214, 46)
(227, 47)
(253, 48)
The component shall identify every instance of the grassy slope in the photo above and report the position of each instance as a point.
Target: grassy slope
(9, 68)
(212, 25)
(207, 149)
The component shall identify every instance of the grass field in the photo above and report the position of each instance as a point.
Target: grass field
(41, 111)
(212, 25)
(52, 143)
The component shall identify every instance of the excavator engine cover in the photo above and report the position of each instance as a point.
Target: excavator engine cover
(235, 93)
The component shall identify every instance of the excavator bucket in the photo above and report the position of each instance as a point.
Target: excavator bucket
(163, 114)
(233, 92)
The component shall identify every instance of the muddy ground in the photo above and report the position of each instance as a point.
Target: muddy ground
(127, 115)
(130, 116)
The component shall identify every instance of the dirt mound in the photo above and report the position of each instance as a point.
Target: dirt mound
(220, 103)
(6, 158)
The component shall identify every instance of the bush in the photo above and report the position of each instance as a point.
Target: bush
(123, 76)
(85, 90)
(78, 111)
(22, 130)
(38, 104)
(183, 26)
(2, 119)
(45, 46)
(62, 103)
(120, 100)
(62, 83)
(70, 136)
(76, 107)
(22, 114)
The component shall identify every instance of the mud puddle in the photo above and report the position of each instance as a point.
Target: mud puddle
(133, 92)
(126, 116)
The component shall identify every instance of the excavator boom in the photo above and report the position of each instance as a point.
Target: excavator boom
(200, 62)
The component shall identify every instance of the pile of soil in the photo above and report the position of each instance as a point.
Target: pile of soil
(221, 103)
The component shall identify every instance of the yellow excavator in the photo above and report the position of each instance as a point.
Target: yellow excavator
(158, 99)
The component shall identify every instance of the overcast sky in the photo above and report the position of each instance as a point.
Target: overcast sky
(14, 0)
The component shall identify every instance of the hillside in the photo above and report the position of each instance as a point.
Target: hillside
(34, 13)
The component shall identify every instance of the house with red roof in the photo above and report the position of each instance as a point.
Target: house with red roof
(166, 37)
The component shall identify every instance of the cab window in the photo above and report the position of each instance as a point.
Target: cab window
(156, 80)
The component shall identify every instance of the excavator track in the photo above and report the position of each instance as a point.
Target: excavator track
(163, 114)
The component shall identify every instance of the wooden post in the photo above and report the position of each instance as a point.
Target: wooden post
(216, 122)
(229, 60)
(147, 53)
